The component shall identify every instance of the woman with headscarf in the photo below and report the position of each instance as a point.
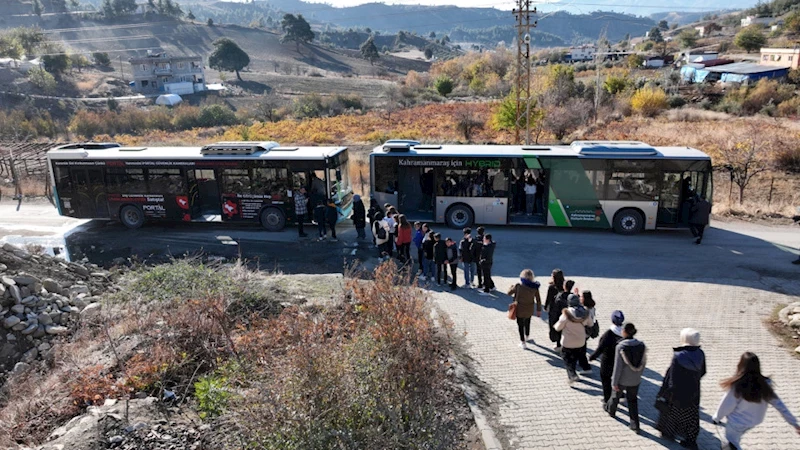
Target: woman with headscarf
(679, 398)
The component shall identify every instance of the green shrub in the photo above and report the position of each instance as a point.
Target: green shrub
(101, 59)
(216, 115)
(350, 101)
(186, 117)
(676, 101)
(308, 106)
(614, 85)
(789, 108)
(729, 105)
(764, 93)
(212, 396)
(788, 159)
(87, 124)
(42, 80)
(443, 85)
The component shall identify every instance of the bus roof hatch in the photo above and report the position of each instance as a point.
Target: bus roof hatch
(237, 148)
(614, 148)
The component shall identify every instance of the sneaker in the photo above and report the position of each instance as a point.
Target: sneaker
(586, 372)
(796, 261)
(523, 346)
(321, 238)
(634, 428)
(466, 286)
(483, 293)
(453, 287)
(557, 348)
(422, 278)
(480, 286)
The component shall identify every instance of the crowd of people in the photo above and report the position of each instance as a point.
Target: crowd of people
(623, 359)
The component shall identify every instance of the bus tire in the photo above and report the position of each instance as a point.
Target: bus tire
(131, 216)
(459, 216)
(273, 219)
(628, 222)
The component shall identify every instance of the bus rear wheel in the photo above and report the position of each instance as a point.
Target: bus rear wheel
(273, 219)
(459, 216)
(628, 222)
(131, 216)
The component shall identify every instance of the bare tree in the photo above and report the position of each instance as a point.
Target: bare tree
(468, 122)
(267, 108)
(745, 154)
(393, 96)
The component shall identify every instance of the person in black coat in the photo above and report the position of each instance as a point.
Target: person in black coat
(555, 287)
(486, 263)
(374, 207)
(319, 217)
(679, 397)
(477, 248)
(699, 218)
(359, 217)
(467, 258)
(439, 257)
(605, 352)
(332, 216)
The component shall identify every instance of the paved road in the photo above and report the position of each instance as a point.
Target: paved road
(663, 283)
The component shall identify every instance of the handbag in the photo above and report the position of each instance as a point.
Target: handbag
(512, 311)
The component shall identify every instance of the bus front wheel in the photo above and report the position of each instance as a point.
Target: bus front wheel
(459, 216)
(628, 221)
(273, 219)
(131, 216)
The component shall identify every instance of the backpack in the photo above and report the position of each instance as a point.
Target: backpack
(593, 331)
(380, 233)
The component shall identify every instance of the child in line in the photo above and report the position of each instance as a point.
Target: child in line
(419, 236)
(452, 261)
(439, 257)
(427, 247)
(332, 216)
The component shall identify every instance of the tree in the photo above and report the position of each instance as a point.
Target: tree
(29, 38)
(101, 59)
(228, 56)
(108, 9)
(10, 47)
(688, 37)
(59, 5)
(792, 22)
(745, 155)
(634, 61)
(655, 35)
(467, 122)
(37, 7)
(296, 29)
(561, 119)
(432, 35)
(443, 85)
(190, 16)
(713, 27)
(124, 7)
(750, 39)
(42, 79)
(78, 61)
(267, 108)
(614, 85)
(428, 53)
(662, 24)
(210, 22)
(369, 50)
(55, 59)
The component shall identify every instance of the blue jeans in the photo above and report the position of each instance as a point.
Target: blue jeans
(469, 272)
(427, 268)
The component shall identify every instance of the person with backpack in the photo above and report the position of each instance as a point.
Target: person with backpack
(605, 352)
(528, 302)
(572, 323)
(403, 239)
(439, 257)
(678, 400)
(477, 248)
(359, 217)
(319, 217)
(467, 257)
(331, 217)
(486, 263)
(428, 256)
(555, 287)
(630, 360)
(452, 261)
(419, 236)
(380, 233)
(745, 404)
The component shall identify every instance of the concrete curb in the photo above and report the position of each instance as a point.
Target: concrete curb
(488, 436)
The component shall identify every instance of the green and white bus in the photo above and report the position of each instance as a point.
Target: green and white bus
(625, 185)
(220, 182)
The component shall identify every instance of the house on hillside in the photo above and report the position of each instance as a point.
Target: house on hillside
(744, 72)
(582, 53)
(753, 20)
(701, 31)
(780, 57)
(696, 57)
(160, 73)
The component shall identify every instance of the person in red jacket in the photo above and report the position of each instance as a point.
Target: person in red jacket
(403, 239)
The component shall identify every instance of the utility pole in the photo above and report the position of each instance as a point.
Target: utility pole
(522, 13)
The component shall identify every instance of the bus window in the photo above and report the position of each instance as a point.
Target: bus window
(471, 183)
(385, 170)
(633, 180)
(236, 181)
(598, 179)
(126, 181)
(340, 184)
(166, 181)
(62, 179)
(270, 181)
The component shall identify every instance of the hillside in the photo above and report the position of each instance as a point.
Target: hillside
(645, 7)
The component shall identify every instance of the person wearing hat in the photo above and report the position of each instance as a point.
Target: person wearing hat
(359, 216)
(605, 351)
(679, 397)
(572, 324)
(630, 359)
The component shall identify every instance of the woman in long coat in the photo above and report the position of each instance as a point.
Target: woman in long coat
(555, 287)
(679, 397)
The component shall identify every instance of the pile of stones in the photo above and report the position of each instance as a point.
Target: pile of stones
(41, 299)
(790, 316)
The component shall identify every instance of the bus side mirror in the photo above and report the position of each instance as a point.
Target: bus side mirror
(338, 175)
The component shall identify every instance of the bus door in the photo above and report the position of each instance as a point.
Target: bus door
(90, 192)
(204, 197)
(669, 199)
(416, 192)
(522, 208)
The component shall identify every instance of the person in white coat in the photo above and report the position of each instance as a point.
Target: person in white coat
(745, 403)
(572, 324)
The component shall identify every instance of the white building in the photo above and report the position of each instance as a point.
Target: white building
(582, 53)
(168, 74)
(753, 20)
